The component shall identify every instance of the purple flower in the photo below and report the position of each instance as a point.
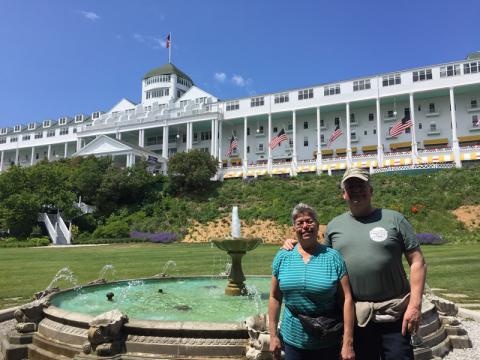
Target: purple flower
(428, 238)
(163, 237)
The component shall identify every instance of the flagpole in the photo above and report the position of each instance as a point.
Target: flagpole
(170, 50)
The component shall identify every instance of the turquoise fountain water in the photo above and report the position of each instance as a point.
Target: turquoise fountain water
(180, 299)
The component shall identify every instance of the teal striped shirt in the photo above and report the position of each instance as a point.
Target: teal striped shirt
(307, 289)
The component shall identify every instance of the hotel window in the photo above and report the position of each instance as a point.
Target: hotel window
(433, 126)
(74, 130)
(390, 114)
(275, 130)
(420, 126)
(322, 138)
(47, 123)
(62, 121)
(3, 140)
(281, 98)
(305, 124)
(257, 101)
(248, 149)
(13, 139)
(475, 121)
(38, 135)
(195, 137)
(156, 93)
(232, 105)
(25, 137)
(290, 127)
(51, 133)
(331, 90)
(202, 100)
(421, 75)
(371, 117)
(353, 135)
(156, 79)
(17, 128)
(4, 130)
(450, 70)
(431, 108)
(260, 130)
(473, 103)
(78, 118)
(248, 131)
(365, 132)
(352, 118)
(290, 143)
(183, 81)
(31, 126)
(64, 131)
(374, 131)
(471, 68)
(322, 123)
(337, 121)
(361, 85)
(305, 141)
(305, 94)
(390, 80)
(95, 115)
(259, 147)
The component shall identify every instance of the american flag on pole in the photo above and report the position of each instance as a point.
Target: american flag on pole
(335, 135)
(277, 140)
(400, 126)
(233, 145)
(167, 41)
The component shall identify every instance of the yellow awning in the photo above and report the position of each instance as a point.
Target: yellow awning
(344, 150)
(400, 145)
(327, 152)
(469, 138)
(369, 148)
(435, 141)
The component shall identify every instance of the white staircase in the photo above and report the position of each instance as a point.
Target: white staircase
(57, 230)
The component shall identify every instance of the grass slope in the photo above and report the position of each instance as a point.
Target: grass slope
(24, 271)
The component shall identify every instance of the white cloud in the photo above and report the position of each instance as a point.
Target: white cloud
(220, 76)
(240, 81)
(160, 41)
(139, 37)
(90, 15)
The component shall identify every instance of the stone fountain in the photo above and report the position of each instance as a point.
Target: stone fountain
(236, 247)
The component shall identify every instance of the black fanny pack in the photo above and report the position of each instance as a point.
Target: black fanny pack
(328, 326)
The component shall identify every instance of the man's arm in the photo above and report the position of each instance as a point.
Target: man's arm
(418, 272)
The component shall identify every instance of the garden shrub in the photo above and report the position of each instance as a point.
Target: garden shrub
(114, 230)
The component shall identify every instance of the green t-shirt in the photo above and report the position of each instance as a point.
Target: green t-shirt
(372, 248)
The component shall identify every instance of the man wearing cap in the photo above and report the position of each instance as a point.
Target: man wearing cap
(372, 242)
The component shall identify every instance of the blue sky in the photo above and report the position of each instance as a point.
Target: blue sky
(61, 58)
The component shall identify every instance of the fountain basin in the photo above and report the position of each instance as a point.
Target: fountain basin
(64, 331)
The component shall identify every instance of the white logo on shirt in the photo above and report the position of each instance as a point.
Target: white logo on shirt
(378, 234)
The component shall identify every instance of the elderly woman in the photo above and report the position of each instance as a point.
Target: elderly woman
(309, 279)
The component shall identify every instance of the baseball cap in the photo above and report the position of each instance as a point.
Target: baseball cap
(355, 173)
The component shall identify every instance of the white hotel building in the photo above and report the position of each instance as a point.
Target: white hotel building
(174, 115)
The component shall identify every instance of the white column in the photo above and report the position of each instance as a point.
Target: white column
(32, 161)
(1, 160)
(118, 135)
(379, 135)
(212, 150)
(189, 135)
(294, 135)
(349, 137)
(455, 145)
(245, 145)
(141, 137)
(414, 137)
(165, 142)
(220, 128)
(79, 144)
(132, 159)
(65, 152)
(49, 152)
(216, 138)
(127, 163)
(319, 146)
(269, 137)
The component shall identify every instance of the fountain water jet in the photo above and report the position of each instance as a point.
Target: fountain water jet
(236, 247)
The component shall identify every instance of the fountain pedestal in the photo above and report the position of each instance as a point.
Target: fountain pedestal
(236, 248)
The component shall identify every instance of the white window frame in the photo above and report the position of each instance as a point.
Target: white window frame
(232, 105)
(360, 85)
(31, 126)
(79, 118)
(17, 128)
(4, 131)
(95, 115)
(3, 140)
(281, 98)
(305, 94)
(51, 133)
(331, 90)
(390, 80)
(62, 121)
(13, 139)
(63, 131)
(257, 101)
(26, 137)
(47, 123)
(450, 70)
(38, 135)
(471, 67)
(422, 75)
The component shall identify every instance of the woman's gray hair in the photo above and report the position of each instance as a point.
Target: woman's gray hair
(302, 208)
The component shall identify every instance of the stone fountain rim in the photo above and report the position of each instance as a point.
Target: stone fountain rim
(82, 320)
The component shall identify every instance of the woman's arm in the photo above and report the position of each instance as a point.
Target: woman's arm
(347, 352)
(274, 305)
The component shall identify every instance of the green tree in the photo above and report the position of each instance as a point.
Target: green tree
(87, 176)
(192, 171)
(20, 213)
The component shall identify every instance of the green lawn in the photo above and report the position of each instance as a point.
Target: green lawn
(25, 271)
